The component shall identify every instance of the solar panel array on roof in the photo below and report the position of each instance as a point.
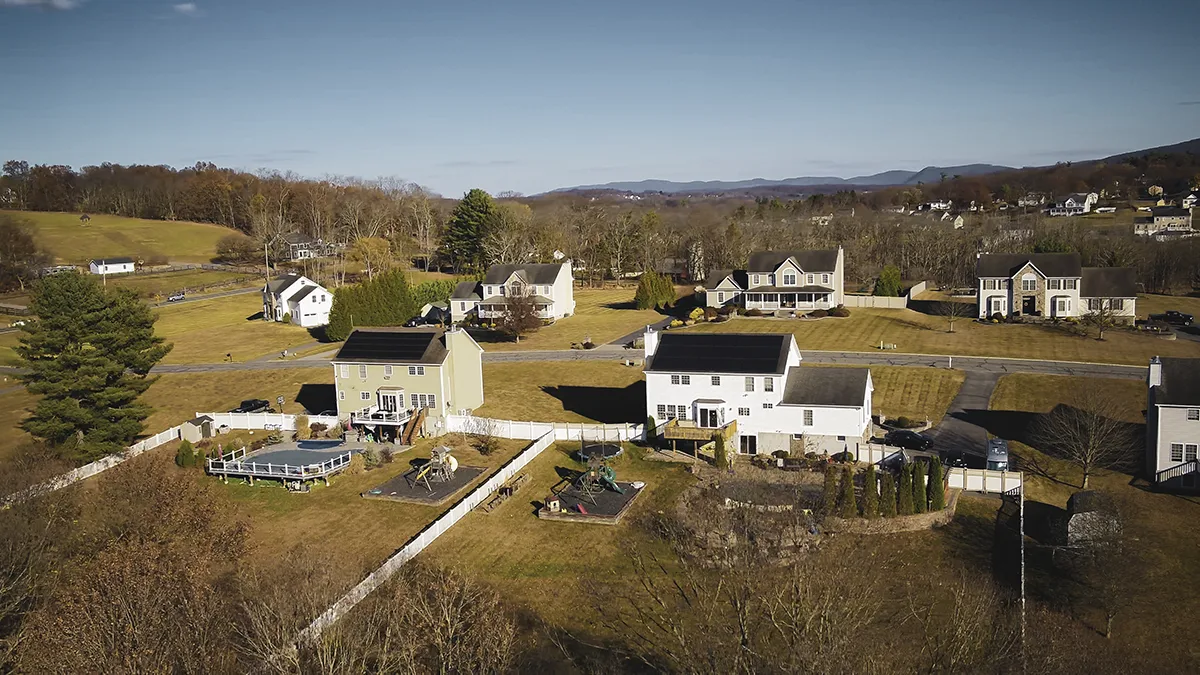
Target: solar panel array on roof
(754, 354)
(398, 345)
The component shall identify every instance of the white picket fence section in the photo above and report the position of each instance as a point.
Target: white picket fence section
(871, 453)
(983, 480)
(427, 536)
(88, 470)
(273, 421)
(563, 431)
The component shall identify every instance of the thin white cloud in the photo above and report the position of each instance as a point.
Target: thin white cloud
(187, 9)
(46, 4)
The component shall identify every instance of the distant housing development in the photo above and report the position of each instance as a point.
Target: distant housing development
(112, 265)
(551, 286)
(1052, 285)
(301, 300)
(752, 389)
(781, 280)
(1165, 222)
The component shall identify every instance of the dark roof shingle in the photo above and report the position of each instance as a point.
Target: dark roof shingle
(393, 345)
(114, 261)
(1180, 382)
(735, 353)
(542, 273)
(1108, 282)
(1008, 264)
(815, 385)
(466, 290)
(809, 261)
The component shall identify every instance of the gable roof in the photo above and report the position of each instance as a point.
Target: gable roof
(1180, 382)
(1008, 264)
(466, 290)
(715, 278)
(814, 385)
(302, 293)
(1170, 212)
(281, 282)
(297, 238)
(544, 273)
(114, 261)
(810, 261)
(394, 345)
(1108, 282)
(736, 353)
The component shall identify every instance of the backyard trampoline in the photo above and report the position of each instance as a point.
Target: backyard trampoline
(601, 450)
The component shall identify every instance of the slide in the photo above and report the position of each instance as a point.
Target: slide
(609, 478)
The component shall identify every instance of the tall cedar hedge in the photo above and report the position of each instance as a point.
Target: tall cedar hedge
(887, 498)
(920, 504)
(906, 491)
(937, 485)
(870, 493)
(386, 300)
(654, 291)
(847, 508)
(829, 494)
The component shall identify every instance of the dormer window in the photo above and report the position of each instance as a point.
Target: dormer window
(789, 278)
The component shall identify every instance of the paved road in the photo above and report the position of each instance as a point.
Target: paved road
(209, 296)
(955, 433)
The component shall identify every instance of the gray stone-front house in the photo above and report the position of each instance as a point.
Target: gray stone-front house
(1052, 285)
(385, 376)
(781, 280)
(1173, 422)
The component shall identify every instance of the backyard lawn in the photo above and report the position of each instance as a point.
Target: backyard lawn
(7, 341)
(13, 407)
(72, 241)
(919, 393)
(177, 397)
(1157, 304)
(149, 285)
(600, 314)
(204, 331)
(913, 332)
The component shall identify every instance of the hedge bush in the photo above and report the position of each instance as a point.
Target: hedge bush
(818, 313)
(754, 312)
(386, 300)
(840, 312)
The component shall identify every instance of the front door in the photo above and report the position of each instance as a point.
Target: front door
(708, 418)
(749, 445)
(1028, 305)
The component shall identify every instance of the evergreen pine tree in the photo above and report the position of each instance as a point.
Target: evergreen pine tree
(88, 355)
(887, 499)
(847, 508)
(185, 456)
(720, 452)
(386, 300)
(870, 493)
(470, 222)
(905, 496)
(937, 485)
(654, 291)
(830, 495)
(888, 283)
(920, 504)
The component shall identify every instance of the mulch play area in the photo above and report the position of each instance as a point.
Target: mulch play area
(403, 488)
(605, 507)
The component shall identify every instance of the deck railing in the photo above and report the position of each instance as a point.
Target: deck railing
(1175, 471)
(369, 416)
(673, 430)
(234, 464)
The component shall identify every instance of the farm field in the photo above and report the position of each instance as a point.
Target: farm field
(161, 285)
(71, 241)
(1164, 523)
(913, 332)
(205, 331)
(601, 314)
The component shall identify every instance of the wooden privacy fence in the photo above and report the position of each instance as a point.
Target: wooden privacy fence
(427, 536)
(876, 301)
(983, 480)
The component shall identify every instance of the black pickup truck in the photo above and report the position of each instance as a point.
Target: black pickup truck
(1174, 318)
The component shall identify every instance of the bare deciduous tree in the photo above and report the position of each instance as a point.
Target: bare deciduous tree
(951, 311)
(520, 316)
(1088, 431)
(1101, 316)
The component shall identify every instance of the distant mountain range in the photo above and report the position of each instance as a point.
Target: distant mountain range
(930, 174)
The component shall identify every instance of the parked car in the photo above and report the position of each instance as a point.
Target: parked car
(1174, 317)
(253, 405)
(955, 458)
(997, 457)
(909, 440)
(18, 323)
(415, 321)
(175, 297)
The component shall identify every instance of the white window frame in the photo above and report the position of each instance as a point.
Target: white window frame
(682, 411)
(1176, 452)
(824, 278)
(989, 284)
(345, 371)
(757, 279)
(808, 417)
(1062, 306)
(1025, 284)
(685, 379)
(1054, 284)
(812, 278)
(1095, 304)
(749, 384)
(387, 371)
(768, 384)
(768, 406)
(720, 296)
(675, 379)
(1189, 452)
(342, 395)
(1116, 304)
(416, 370)
(662, 412)
(362, 372)
(1193, 414)
(716, 380)
(789, 279)
(364, 395)
(1070, 284)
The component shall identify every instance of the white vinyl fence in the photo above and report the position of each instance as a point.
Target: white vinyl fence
(563, 431)
(871, 453)
(274, 421)
(983, 480)
(88, 470)
(876, 301)
(426, 536)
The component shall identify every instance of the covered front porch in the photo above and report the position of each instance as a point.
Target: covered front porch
(795, 300)
(494, 308)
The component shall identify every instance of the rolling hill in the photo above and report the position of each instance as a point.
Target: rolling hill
(70, 240)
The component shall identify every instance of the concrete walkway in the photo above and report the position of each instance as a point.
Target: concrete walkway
(954, 433)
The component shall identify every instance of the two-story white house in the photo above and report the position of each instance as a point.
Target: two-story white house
(1075, 204)
(112, 266)
(752, 389)
(551, 285)
(303, 301)
(389, 380)
(781, 280)
(1173, 422)
(1051, 285)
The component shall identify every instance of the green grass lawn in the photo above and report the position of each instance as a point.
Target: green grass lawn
(72, 241)
(13, 409)
(1165, 524)
(600, 314)
(152, 285)
(7, 341)
(177, 397)
(203, 332)
(914, 332)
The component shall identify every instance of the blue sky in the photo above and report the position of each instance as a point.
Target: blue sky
(529, 96)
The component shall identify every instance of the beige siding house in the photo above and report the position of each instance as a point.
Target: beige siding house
(1052, 286)
(551, 286)
(386, 377)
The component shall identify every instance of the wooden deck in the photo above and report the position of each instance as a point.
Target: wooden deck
(674, 431)
(233, 464)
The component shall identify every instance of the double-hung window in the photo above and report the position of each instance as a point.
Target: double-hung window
(1117, 304)
(808, 418)
(1193, 414)
(789, 278)
(768, 384)
(1070, 284)
(744, 412)
(989, 284)
(345, 371)
(387, 371)
(423, 400)
(1095, 304)
(681, 379)
(362, 372)
(825, 279)
(662, 411)
(1062, 305)
(1189, 452)
(1054, 284)
(1029, 284)
(812, 278)
(749, 384)
(364, 395)
(416, 370)
(716, 380)
(1177, 452)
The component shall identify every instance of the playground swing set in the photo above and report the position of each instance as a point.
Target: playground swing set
(439, 469)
